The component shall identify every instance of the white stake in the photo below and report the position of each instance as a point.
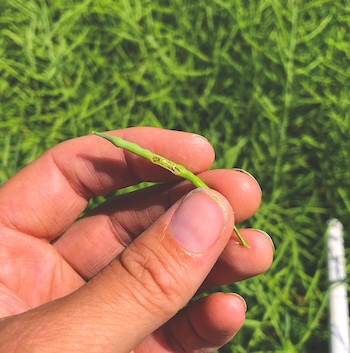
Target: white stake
(338, 303)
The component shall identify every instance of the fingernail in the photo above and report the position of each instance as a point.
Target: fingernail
(242, 300)
(199, 220)
(268, 237)
(247, 173)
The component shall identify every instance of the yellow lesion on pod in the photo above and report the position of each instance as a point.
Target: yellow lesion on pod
(176, 170)
(156, 159)
(165, 163)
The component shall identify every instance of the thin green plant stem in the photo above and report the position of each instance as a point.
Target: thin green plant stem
(175, 168)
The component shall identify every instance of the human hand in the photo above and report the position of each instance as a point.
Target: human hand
(118, 279)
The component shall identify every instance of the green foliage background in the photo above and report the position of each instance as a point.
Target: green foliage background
(267, 82)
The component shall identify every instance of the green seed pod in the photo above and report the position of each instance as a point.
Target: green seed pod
(175, 168)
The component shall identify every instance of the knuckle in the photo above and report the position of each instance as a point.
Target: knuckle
(156, 275)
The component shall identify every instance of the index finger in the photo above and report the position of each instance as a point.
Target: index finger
(48, 195)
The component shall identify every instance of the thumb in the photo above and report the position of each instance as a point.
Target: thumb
(163, 268)
(148, 284)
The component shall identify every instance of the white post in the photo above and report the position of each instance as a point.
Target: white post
(338, 302)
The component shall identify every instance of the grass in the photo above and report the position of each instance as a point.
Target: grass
(267, 82)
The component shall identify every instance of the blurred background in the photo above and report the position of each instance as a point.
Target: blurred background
(266, 82)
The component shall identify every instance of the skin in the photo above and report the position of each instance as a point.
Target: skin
(117, 280)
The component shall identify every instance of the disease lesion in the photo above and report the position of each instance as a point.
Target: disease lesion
(176, 170)
(165, 163)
